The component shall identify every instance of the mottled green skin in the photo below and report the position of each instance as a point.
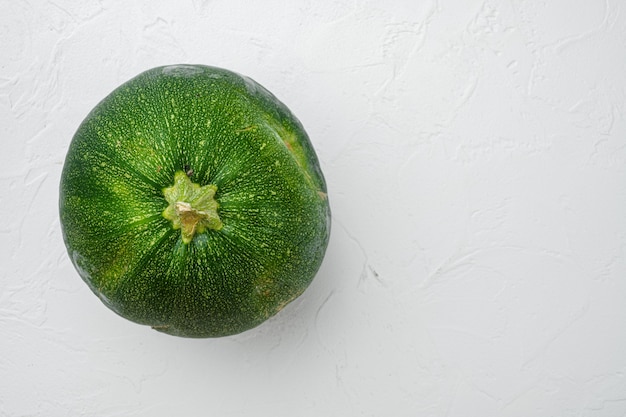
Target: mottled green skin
(230, 132)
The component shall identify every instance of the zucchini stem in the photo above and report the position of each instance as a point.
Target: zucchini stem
(191, 207)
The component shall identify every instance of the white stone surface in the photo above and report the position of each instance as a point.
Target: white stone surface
(475, 153)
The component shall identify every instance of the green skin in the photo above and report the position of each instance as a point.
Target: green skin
(192, 200)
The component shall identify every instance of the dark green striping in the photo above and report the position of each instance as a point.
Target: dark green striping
(230, 132)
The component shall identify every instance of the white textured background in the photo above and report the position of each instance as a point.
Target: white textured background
(475, 153)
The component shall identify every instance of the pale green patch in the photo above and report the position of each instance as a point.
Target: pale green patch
(293, 145)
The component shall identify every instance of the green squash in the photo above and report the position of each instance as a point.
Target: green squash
(192, 201)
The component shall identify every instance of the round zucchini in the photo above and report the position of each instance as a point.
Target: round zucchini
(191, 200)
